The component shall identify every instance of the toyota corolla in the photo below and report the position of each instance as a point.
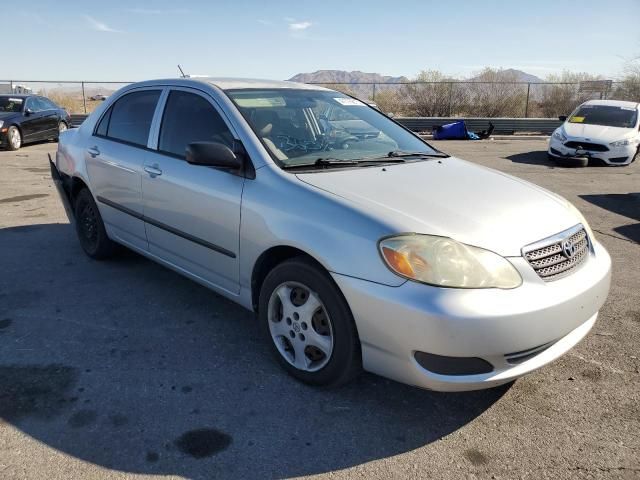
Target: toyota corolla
(374, 252)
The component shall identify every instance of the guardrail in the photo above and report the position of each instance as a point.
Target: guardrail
(505, 126)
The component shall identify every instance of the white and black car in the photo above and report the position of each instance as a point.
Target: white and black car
(607, 130)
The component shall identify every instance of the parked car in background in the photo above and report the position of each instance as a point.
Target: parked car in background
(607, 130)
(30, 118)
(98, 97)
(387, 255)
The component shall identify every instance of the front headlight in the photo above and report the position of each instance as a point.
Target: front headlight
(558, 135)
(1, 123)
(444, 262)
(620, 143)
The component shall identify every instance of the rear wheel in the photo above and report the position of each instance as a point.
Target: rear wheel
(90, 227)
(14, 138)
(309, 324)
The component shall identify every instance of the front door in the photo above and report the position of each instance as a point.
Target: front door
(192, 212)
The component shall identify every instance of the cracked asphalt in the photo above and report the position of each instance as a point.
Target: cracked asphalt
(123, 369)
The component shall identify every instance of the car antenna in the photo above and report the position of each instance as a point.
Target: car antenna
(182, 74)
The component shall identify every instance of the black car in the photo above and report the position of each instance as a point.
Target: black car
(30, 118)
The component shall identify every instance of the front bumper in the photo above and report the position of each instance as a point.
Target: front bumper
(396, 322)
(613, 155)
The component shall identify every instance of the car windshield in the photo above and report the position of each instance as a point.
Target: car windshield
(606, 115)
(11, 104)
(300, 126)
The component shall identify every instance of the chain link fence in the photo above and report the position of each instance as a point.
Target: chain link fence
(410, 99)
(484, 99)
(76, 97)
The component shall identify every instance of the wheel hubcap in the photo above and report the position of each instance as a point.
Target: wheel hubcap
(15, 138)
(300, 326)
(62, 127)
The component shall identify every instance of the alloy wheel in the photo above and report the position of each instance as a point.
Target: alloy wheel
(15, 138)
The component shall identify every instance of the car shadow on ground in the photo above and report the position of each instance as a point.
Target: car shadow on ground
(626, 204)
(132, 367)
(540, 157)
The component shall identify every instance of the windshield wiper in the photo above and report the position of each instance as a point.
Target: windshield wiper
(336, 162)
(322, 163)
(402, 153)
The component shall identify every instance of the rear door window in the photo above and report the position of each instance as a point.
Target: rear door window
(129, 119)
(187, 118)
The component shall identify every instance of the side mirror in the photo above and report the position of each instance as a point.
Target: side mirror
(213, 154)
(562, 118)
(28, 112)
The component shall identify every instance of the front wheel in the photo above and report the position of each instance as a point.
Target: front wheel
(90, 228)
(309, 324)
(14, 138)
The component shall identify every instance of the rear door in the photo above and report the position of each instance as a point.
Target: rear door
(192, 212)
(51, 116)
(114, 157)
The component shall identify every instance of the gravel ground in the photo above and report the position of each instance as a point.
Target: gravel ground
(124, 369)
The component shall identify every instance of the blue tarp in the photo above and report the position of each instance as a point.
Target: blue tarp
(451, 131)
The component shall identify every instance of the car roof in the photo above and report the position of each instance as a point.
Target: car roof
(18, 95)
(225, 83)
(613, 103)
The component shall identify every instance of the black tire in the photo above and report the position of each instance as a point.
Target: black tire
(575, 162)
(13, 130)
(90, 227)
(345, 361)
(635, 157)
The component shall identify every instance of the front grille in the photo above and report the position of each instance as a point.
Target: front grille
(559, 255)
(593, 147)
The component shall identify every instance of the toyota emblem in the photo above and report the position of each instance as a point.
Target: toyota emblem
(568, 248)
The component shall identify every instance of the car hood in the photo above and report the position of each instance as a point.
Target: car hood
(453, 198)
(8, 115)
(599, 133)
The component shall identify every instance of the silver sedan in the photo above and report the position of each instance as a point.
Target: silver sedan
(358, 245)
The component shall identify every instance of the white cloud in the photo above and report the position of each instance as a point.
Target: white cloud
(99, 26)
(298, 26)
(264, 22)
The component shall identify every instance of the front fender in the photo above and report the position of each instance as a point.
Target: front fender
(280, 210)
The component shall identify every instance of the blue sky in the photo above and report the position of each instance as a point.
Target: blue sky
(134, 40)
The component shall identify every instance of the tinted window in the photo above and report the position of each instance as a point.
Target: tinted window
(190, 118)
(104, 124)
(33, 104)
(131, 117)
(48, 104)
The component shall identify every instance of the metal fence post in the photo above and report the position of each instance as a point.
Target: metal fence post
(11, 85)
(450, 97)
(526, 105)
(84, 99)
(373, 98)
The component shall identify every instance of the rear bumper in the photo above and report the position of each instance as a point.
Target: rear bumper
(63, 190)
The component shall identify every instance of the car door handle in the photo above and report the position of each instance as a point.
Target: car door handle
(153, 170)
(93, 151)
